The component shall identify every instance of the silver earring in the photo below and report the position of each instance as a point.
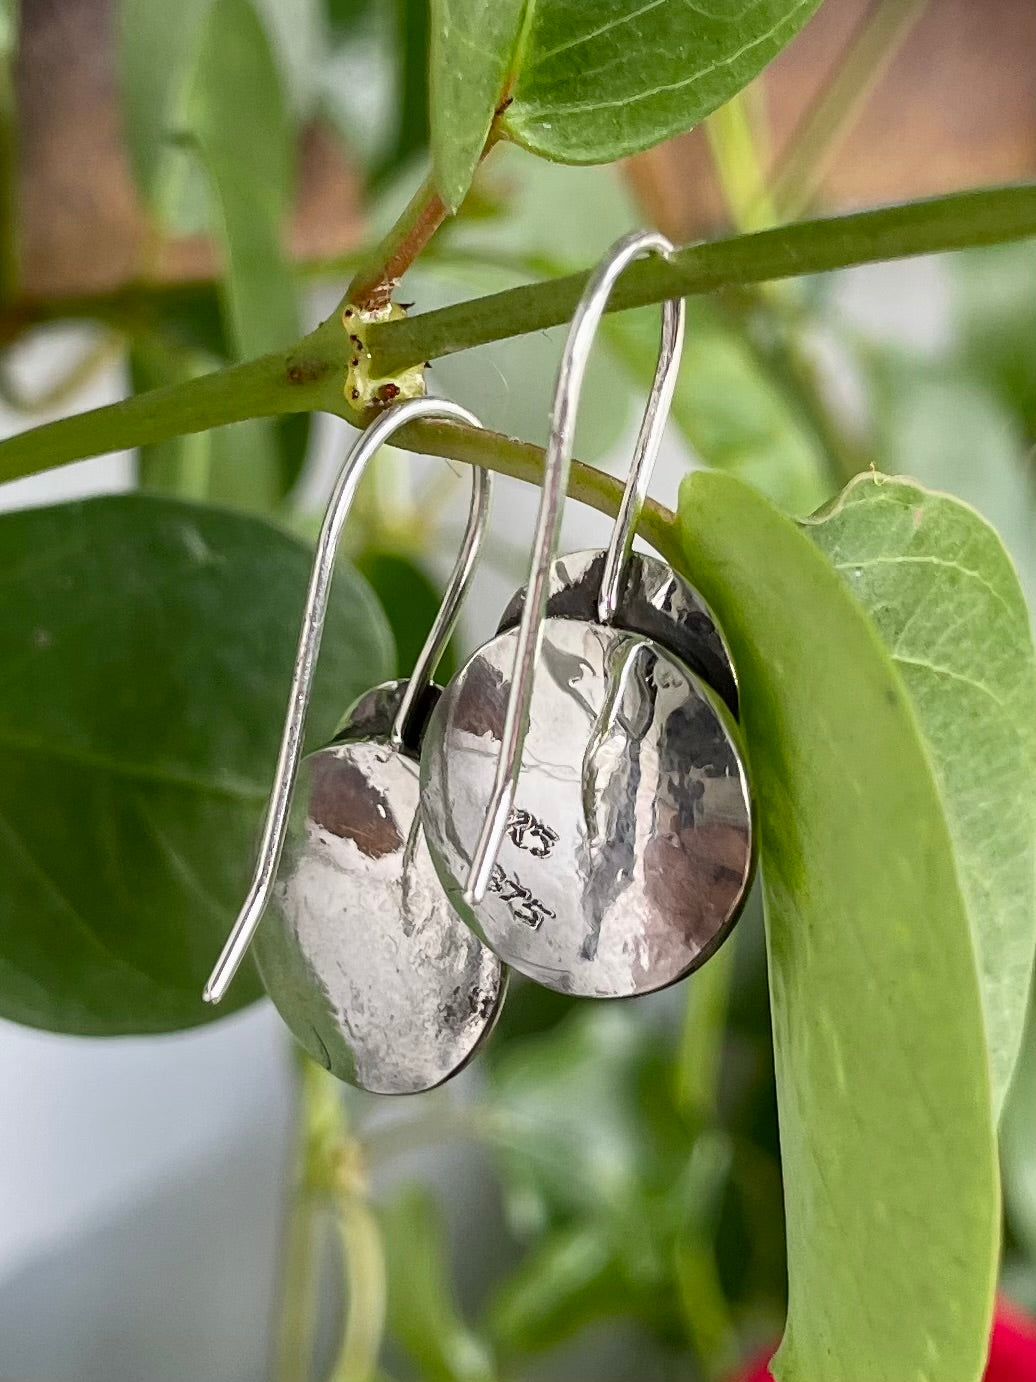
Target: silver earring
(584, 796)
(362, 954)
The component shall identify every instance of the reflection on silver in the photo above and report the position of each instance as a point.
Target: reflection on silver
(557, 461)
(361, 952)
(652, 600)
(275, 821)
(628, 854)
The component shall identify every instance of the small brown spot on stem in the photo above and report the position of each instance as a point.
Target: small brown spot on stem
(306, 371)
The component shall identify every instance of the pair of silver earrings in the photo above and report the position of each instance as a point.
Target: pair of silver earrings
(573, 805)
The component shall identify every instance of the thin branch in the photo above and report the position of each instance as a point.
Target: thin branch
(874, 44)
(310, 376)
(378, 276)
(303, 380)
(933, 226)
(524, 461)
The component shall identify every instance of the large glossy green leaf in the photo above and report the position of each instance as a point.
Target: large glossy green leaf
(887, 1131)
(146, 647)
(579, 82)
(410, 601)
(593, 85)
(945, 600)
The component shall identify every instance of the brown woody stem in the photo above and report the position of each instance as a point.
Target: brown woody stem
(378, 276)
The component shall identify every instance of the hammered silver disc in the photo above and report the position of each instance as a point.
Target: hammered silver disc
(362, 954)
(629, 851)
(653, 600)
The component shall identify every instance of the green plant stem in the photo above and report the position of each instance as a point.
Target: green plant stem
(524, 461)
(310, 375)
(933, 226)
(299, 1297)
(877, 39)
(366, 1286)
(300, 381)
(299, 1292)
(732, 139)
(379, 274)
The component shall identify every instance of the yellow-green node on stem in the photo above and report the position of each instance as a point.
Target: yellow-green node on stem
(362, 389)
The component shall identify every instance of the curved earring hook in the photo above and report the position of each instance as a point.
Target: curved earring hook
(557, 463)
(275, 822)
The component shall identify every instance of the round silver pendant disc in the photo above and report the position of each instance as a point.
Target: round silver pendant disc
(361, 952)
(629, 851)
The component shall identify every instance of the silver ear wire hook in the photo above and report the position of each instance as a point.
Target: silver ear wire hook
(555, 484)
(275, 822)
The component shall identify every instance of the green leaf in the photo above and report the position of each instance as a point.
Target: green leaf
(567, 1281)
(422, 1314)
(934, 421)
(247, 143)
(297, 34)
(593, 1071)
(472, 44)
(945, 601)
(156, 46)
(578, 85)
(146, 647)
(410, 601)
(995, 319)
(1018, 1146)
(595, 83)
(733, 415)
(411, 135)
(887, 1133)
(238, 114)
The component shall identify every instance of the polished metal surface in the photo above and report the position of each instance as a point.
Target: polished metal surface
(275, 821)
(361, 952)
(557, 463)
(628, 851)
(652, 600)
